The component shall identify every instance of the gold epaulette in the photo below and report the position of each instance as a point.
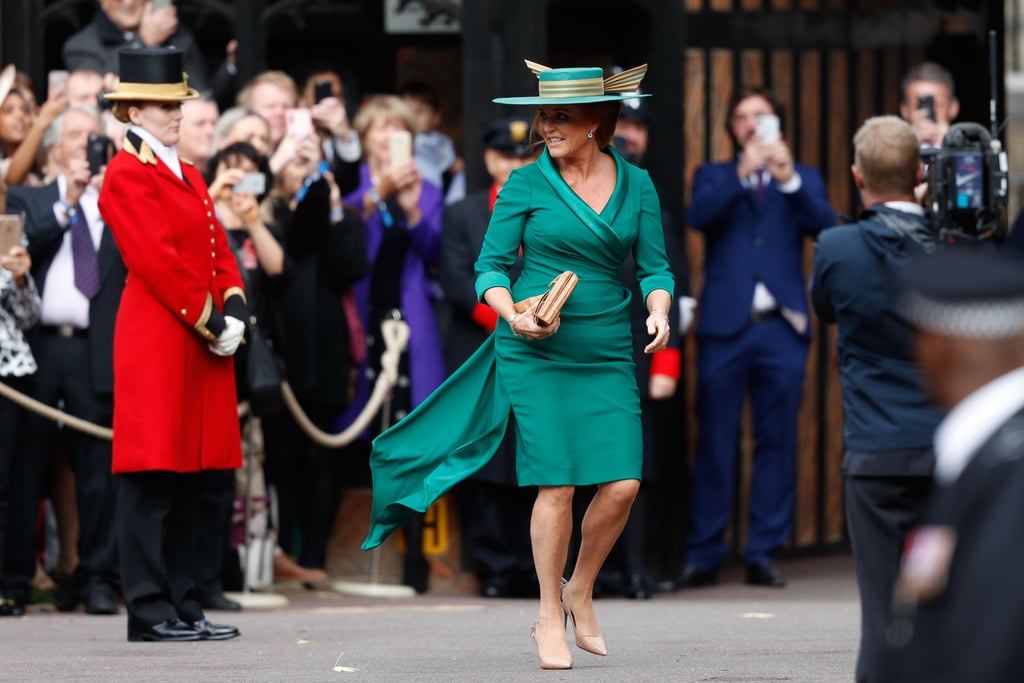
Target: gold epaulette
(143, 153)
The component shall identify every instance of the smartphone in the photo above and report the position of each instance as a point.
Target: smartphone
(12, 225)
(322, 89)
(768, 128)
(160, 4)
(300, 122)
(56, 81)
(400, 146)
(254, 183)
(927, 102)
(98, 151)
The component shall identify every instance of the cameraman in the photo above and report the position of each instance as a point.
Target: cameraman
(928, 102)
(889, 421)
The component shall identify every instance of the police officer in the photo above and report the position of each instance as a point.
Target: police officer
(960, 610)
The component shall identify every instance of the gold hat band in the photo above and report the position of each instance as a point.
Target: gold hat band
(144, 90)
(583, 87)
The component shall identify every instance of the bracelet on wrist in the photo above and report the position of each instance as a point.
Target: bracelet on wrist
(658, 310)
(511, 323)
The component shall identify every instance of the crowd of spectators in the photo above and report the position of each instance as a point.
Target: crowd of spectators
(334, 236)
(321, 265)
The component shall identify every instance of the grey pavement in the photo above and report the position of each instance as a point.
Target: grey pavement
(807, 631)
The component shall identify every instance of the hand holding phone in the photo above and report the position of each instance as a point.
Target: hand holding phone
(322, 89)
(11, 228)
(927, 103)
(399, 147)
(98, 151)
(768, 128)
(56, 81)
(253, 183)
(299, 123)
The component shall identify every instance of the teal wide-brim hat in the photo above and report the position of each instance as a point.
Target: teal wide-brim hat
(580, 85)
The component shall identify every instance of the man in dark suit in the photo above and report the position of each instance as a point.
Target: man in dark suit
(134, 24)
(81, 276)
(889, 418)
(959, 609)
(752, 334)
(496, 512)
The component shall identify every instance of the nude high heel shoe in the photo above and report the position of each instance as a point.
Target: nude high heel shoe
(552, 650)
(592, 644)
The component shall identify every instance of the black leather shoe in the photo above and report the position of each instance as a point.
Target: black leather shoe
(11, 607)
(101, 600)
(219, 602)
(170, 631)
(764, 574)
(210, 631)
(66, 597)
(416, 573)
(693, 576)
(637, 587)
(495, 587)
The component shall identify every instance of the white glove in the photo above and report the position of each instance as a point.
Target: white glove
(686, 306)
(228, 341)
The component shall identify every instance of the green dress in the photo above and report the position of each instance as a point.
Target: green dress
(574, 394)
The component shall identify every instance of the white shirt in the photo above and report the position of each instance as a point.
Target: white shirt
(906, 207)
(973, 421)
(62, 303)
(168, 155)
(763, 299)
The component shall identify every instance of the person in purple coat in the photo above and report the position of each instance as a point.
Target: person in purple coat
(402, 214)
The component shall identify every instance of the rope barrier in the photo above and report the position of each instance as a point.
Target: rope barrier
(396, 336)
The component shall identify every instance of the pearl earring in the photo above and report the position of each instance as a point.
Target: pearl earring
(590, 134)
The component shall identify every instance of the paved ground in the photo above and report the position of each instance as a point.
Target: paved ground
(733, 632)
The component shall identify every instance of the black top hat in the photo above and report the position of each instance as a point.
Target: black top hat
(509, 136)
(152, 74)
(965, 291)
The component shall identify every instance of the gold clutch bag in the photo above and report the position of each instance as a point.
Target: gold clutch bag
(549, 304)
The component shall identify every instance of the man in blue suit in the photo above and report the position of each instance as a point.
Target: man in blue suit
(752, 334)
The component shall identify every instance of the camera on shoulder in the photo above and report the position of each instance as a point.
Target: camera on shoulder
(968, 187)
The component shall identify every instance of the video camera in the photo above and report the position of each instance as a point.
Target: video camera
(968, 187)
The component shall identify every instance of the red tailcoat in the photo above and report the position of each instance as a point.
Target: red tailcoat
(175, 406)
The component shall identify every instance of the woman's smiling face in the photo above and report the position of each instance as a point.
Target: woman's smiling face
(15, 118)
(564, 128)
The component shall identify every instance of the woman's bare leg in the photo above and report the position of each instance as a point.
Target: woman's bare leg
(603, 522)
(550, 530)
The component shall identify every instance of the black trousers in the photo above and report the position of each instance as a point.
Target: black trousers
(496, 520)
(880, 512)
(158, 524)
(307, 479)
(216, 502)
(11, 418)
(65, 378)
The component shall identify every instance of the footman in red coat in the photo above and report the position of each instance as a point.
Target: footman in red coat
(180, 321)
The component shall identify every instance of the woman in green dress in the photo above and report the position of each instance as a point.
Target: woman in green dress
(571, 384)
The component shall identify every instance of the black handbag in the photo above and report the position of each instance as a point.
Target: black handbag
(264, 372)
